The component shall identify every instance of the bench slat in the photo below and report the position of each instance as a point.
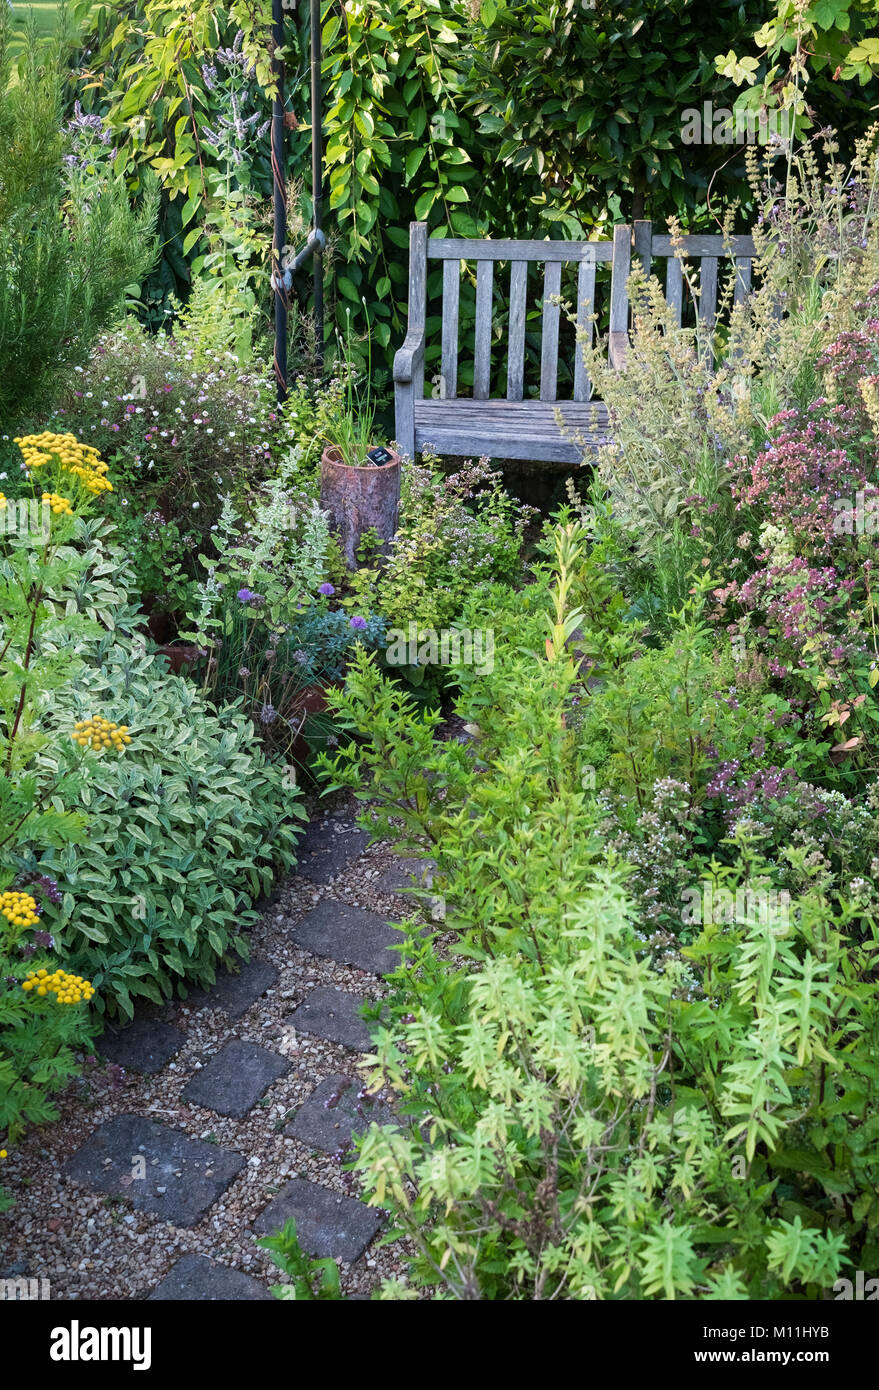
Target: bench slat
(463, 249)
(449, 368)
(585, 326)
(699, 245)
(622, 264)
(674, 288)
(643, 243)
(708, 291)
(516, 349)
(512, 430)
(549, 346)
(743, 279)
(482, 335)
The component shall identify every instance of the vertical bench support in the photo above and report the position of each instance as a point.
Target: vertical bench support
(409, 361)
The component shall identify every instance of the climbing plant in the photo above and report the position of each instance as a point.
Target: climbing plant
(483, 117)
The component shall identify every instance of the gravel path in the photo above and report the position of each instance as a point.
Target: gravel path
(88, 1216)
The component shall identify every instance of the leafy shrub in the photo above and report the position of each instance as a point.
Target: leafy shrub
(69, 241)
(454, 532)
(185, 832)
(594, 1112)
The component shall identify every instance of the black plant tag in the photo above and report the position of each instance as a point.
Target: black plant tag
(379, 456)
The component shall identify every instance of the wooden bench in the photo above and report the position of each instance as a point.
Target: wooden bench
(709, 251)
(517, 427)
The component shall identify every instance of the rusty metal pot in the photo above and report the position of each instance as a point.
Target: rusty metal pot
(359, 499)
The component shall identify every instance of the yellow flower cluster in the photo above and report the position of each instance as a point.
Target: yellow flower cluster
(100, 733)
(20, 909)
(2, 500)
(68, 989)
(82, 460)
(60, 505)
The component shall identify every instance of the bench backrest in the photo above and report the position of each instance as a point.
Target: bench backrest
(640, 241)
(452, 251)
(709, 251)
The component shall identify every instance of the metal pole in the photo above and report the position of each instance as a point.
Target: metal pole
(279, 176)
(317, 176)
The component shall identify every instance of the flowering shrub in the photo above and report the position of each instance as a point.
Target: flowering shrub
(43, 1013)
(538, 1064)
(453, 532)
(177, 437)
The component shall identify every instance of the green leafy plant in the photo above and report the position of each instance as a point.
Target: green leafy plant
(70, 242)
(311, 1280)
(185, 831)
(594, 1113)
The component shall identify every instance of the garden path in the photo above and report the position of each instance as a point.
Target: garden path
(219, 1117)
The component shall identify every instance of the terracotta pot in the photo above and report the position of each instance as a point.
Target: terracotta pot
(311, 700)
(359, 499)
(181, 656)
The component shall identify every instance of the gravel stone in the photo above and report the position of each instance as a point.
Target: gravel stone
(335, 1016)
(234, 1080)
(333, 1113)
(195, 1278)
(328, 1226)
(145, 1046)
(349, 934)
(106, 1162)
(236, 992)
(325, 853)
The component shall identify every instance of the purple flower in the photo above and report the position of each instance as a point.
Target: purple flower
(248, 596)
(268, 714)
(357, 622)
(44, 939)
(327, 590)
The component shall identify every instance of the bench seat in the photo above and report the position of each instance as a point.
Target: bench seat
(508, 429)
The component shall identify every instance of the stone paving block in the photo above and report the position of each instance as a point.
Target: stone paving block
(332, 1114)
(328, 1226)
(187, 1177)
(350, 935)
(334, 1015)
(323, 853)
(146, 1045)
(235, 1078)
(235, 992)
(196, 1278)
(405, 874)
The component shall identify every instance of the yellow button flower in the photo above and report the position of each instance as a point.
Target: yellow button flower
(19, 909)
(98, 733)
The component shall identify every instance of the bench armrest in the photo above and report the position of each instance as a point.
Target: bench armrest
(409, 357)
(618, 350)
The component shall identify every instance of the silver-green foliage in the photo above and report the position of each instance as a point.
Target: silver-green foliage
(185, 829)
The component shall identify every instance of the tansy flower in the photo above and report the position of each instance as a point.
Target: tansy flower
(99, 733)
(82, 460)
(60, 505)
(67, 989)
(19, 909)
